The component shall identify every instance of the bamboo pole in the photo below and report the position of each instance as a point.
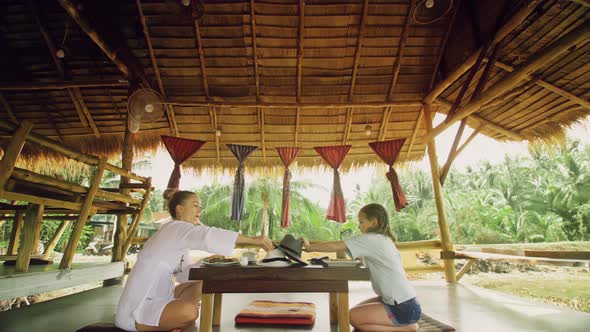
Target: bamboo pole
(536, 61)
(202, 64)
(40, 200)
(32, 219)
(446, 243)
(121, 230)
(465, 268)
(56, 236)
(12, 152)
(37, 236)
(137, 218)
(447, 166)
(419, 245)
(510, 25)
(15, 233)
(254, 50)
(169, 111)
(359, 46)
(377, 104)
(68, 256)
(61, 85)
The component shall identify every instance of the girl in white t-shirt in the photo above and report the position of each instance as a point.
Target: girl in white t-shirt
(151, 300)
(395, 308)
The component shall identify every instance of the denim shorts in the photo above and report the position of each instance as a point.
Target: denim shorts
(404, 313)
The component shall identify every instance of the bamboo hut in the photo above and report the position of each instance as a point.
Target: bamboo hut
(300, 73)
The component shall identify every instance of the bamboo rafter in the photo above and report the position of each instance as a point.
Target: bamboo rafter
(7, 108)
(202, 64)
(259, 111)
(61, 85)
(300, 39)
(510, 25)
(377, 104)
(571, 39)
(169, 110)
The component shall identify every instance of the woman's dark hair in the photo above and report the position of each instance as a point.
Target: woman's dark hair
(378, 212)
(178, 198)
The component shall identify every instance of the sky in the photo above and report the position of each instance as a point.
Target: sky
(482, 148)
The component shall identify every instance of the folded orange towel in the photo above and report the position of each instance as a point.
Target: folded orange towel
(277, 313)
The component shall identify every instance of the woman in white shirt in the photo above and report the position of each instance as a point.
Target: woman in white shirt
(396, 307)
(150, 300)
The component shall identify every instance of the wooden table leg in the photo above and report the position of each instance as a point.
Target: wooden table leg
(217, 309)
(343, 314)
(206, 313)
(333, 308)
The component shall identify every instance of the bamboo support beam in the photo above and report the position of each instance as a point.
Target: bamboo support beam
(85, 111)
(61, 85)
(384, 123)
(202, 64)
(78, 108)
(446, 243)
(536, 61)
(56, 236)
(419, 245)
(12, 152)
(169, 110)
(359, 46)
(7, 108)
(576, 99)
(254, 50)
(72, 154)
(300, 39)
(32, 219)
(447, 166)
(585, 3)
(15, 233)
(378, 104)
(262, 133)
(348, 125)
(213, 118)
(40, 200)
(137, 218)
(465, 268)
(510, 25)
(127, 155)
(400, 49)
(85, 210)
(25, 175)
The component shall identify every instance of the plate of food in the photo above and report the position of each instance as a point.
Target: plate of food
(220, 261)
(342, 262)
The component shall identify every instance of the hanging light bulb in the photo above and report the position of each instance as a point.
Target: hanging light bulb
(368, 130)
(186, 3)
(429, 4)
(149, 108)
(60, 53)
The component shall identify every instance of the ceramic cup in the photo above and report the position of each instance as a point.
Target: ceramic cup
(244, 260)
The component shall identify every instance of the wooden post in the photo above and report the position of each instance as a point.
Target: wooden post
(206, 313)
(137, 217)
(15, 234)
(37, 235)
(66, 261)
(217, 298)
(333, 308)
(343, 312)
(13, 151)
(121, 230)
(445, 237)
(55, 239)
(33, 217)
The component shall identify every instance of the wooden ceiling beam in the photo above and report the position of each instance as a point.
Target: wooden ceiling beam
(369, 104)
(202, 64)
(396, 69)
(508, 27)
(74, 93)
(122, 58)
(300, 39)
(60, 85)
(213, 119)
(169, 110)
(441, 51)
(536, 61)
(259, 111)
(576, 99)
(359, 46)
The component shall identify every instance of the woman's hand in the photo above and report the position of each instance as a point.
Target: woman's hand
(306, 245)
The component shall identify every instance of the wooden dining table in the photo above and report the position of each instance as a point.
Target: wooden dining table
(258, 279)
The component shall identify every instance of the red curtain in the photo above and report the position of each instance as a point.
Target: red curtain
(334, 155)
(388, 152)
(287, 154)
(180, 149)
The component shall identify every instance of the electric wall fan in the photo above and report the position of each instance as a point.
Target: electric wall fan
(145, 106)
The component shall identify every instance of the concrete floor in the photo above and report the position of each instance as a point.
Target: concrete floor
(465, 307)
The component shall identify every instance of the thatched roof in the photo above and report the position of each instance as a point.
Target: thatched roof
(284, 73)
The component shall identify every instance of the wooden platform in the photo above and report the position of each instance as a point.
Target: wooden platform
(47, 278)
(465, 307)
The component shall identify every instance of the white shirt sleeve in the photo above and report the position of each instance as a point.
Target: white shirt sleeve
(359, 246)
(210, 239)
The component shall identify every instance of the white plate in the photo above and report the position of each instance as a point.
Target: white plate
(342, 263)
(221, 263)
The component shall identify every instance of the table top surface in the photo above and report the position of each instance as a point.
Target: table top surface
(254, 272)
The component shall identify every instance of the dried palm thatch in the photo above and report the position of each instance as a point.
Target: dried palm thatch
(291, 73)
